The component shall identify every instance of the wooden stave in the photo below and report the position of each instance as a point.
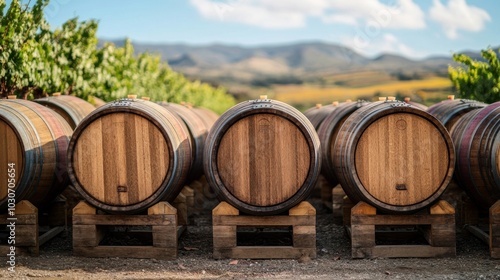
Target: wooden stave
(163, 119)
(358, 122)
(71, 108)
(317, 115)
(198, 132)
(478, 173)
(457, 134)
(448, 112)
(31, 185)
(326, 133)
(245, 109)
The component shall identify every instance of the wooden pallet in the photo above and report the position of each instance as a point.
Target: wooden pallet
(91, 226)
(227, 219)
(473, 219)
(437, 224)
(33, 228)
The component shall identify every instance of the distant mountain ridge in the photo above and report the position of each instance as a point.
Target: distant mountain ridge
(219, 61)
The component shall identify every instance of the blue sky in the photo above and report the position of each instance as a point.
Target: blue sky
(407, 27)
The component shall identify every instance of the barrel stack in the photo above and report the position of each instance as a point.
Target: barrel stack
(316, 116)
(331, 191)
(318, 113)
(73, 110)
(33, 146)
(128, 157)
(477, 137)
(449, 112)
(198, 131)
(393, 158)
(34, 139)
(262, 158)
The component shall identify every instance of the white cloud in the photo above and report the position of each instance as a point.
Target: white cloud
(386, 43)
(457, 15)
(281, 14)
(254, 12)
(403, 15)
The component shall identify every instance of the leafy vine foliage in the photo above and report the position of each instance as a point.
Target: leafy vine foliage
(36, 61)
(478, 80)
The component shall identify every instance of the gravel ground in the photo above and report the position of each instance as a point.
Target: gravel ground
(195, 261)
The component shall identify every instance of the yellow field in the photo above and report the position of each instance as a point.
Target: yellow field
(359, 79)
(435, 87)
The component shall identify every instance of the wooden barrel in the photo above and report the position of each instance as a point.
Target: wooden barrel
(328, 131)
(318, 113)
(262, 156)
(393, 156)
(128, 155)
(33, 143)
(449, 111)
(477, 143)
(71, 108)
(198, 134)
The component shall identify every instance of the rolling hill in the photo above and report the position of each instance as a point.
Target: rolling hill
(310, 72)
(309, 59)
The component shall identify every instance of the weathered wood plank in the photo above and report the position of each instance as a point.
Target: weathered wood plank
(442, 207)
(87, 235)
(27, 235)
(477, 232)
(53, 232)
(165, 236)
(304, 208)
(225, 209)
(117, 220)
(397, 220)
(30, 219)
(362, 236)
(264, 220)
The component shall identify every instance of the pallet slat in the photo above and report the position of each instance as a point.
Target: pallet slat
(116, 220)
